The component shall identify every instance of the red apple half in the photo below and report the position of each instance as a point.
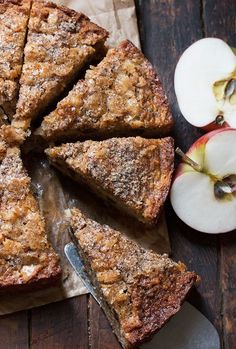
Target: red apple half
(203, 193)
(205, 84)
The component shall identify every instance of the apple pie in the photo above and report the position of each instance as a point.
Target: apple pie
(27, 260)
(14, 15)
(133, 172)
(139, 290)
(60, 42)
(122, 95)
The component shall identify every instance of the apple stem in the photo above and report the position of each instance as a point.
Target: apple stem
(188, 161)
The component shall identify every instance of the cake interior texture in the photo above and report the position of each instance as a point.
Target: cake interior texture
(134, 173)
(14, 16)
(59, 43)
(139, 289)
(122, 95)
(27, 260)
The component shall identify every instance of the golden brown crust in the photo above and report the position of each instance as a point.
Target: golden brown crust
(14, 15)
(27, 260)
(138, 287)
(133, 172)
(60, 42)
(8, 135)
(121, 96)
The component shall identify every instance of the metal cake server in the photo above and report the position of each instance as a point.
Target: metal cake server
(188, 329)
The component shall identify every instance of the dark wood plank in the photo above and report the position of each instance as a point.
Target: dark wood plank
(60, 325)
(219, 21)
(228, 285)
(200, 252)
(167, 28)
(14, 331)
(101, 335)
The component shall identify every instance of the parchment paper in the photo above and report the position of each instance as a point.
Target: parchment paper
(117, 16)
(56, 193)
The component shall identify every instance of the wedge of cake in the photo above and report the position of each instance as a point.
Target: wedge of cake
(120, 96)
(14, 15)
(139, 289)
(60, 42)
(27, 260)
(134, 172)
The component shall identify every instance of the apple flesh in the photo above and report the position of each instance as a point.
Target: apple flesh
(205, 84)
(205, 197)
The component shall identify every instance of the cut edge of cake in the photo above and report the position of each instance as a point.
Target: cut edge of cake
(27, 260)
(70, 122)
(44, 17)
(69, 160)
(15, 10)
(143, 319)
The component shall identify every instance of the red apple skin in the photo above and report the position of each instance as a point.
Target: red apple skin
(213, 126)
(200, 141)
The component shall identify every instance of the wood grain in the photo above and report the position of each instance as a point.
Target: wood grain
(60, 325)
(228, 287)
(14, 331)
(101, 335)
(219, 21)
(167, 28)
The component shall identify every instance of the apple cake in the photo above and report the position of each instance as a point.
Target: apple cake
(139, 290)
(134, 173)
(60, 42)
(27, 260)
(122, 95)
(14, 15)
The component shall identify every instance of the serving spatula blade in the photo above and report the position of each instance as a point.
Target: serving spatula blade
(75, 260)
(187, 329)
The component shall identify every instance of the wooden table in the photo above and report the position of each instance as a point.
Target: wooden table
(167, 27)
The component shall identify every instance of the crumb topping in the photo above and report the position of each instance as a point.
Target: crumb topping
(13, 24)
(25, 253)
(134, 171)
(60, 42)
(121, 93)
(143, 288)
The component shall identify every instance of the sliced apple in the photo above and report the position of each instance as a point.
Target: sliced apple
(205, 84)
(204, 196)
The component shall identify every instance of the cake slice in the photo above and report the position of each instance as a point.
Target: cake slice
(139, 289)
(120, 96)
(134, 172)
(60, 43)
(14, 15)
(27, 260)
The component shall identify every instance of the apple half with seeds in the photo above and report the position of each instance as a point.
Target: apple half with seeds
(205, 84)
(203, 193)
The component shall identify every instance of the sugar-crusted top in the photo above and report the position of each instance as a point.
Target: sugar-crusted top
(59, 42)
(133, 171)
(25, 253)
(142, 288)
(121, 94)
(14, 16)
